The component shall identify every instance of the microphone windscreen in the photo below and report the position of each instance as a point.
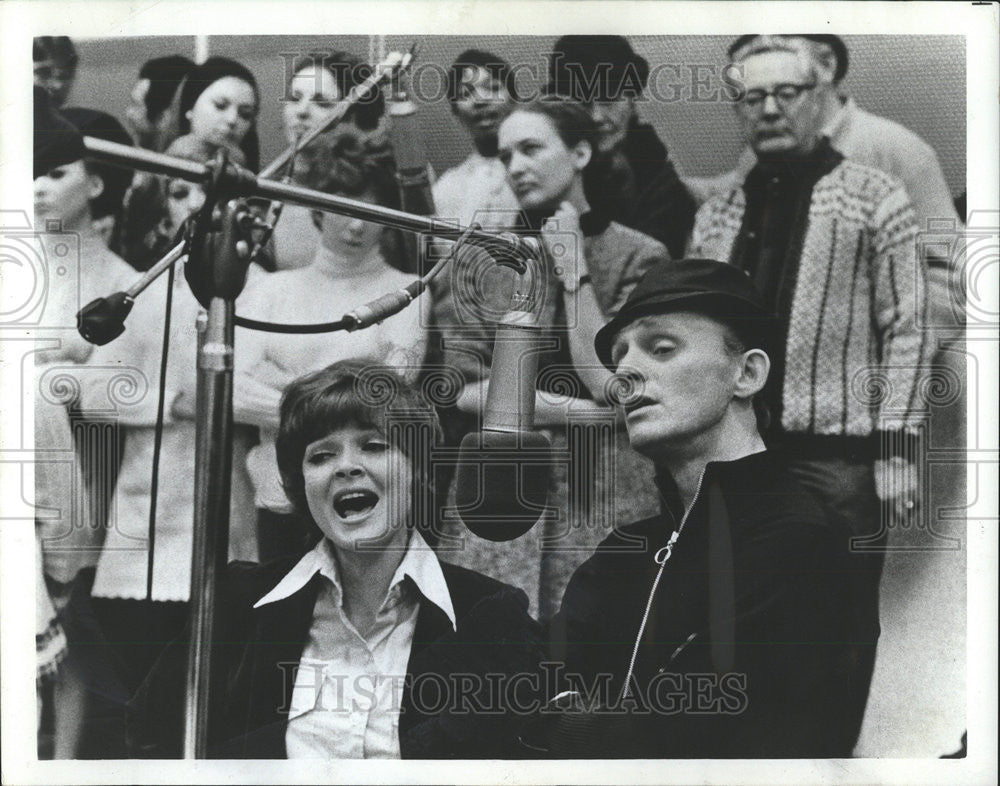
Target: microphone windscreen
(502, 482)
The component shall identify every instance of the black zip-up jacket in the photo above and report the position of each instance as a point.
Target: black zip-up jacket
(754, 630)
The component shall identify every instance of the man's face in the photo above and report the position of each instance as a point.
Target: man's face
(57, 78)
(612, 118)
(481, 103)
(685, 379)
(780, 112)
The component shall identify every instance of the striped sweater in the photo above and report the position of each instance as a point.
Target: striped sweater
(856, 358)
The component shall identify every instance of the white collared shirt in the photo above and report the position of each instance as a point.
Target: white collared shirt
(348, 689)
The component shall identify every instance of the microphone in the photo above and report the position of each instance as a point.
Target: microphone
(411, 156)
(502, 479)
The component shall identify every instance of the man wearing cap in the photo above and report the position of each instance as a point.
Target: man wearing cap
(725, 626)
(831, 246)
(642, 189)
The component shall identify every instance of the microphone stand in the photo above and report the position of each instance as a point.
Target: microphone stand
(217, 270)
(227, 268)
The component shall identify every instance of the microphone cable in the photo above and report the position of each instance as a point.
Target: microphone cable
(154, 482)
(370, 313)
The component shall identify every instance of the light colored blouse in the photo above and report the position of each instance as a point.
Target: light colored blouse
(348, 688)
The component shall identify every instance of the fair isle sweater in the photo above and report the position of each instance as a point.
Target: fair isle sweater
(855, 356)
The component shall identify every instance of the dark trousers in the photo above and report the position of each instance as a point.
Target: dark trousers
(117, 649)
(846, 484)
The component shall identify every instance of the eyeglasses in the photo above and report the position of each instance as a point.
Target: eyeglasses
(784, 95)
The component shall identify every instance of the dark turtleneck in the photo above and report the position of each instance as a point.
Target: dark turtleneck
(638, 186)
(486, 145)
(778, 195)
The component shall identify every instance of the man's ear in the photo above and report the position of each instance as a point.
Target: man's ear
(95, 185)
(582, 153)
(754, 368)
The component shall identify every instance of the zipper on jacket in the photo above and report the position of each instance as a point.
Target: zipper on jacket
(660, 558)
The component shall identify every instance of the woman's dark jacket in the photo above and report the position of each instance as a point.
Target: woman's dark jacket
(258, 650)
(754, 636)
(642, 190)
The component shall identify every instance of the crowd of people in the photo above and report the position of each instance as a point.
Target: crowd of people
(712, 351)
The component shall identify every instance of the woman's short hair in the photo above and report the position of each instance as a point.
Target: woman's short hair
(365, 394)
(57, 48)
(574, 124)
(116, 180)
(348, 71)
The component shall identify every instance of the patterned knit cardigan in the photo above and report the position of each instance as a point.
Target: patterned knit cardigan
(857, 355)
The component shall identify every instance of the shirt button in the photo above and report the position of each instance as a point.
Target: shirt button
(752, 235)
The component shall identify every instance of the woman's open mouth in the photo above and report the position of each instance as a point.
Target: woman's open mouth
(354, 504)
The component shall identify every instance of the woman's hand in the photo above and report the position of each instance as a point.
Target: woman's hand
(563, 240)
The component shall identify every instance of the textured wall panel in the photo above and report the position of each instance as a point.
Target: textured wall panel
(918, 81)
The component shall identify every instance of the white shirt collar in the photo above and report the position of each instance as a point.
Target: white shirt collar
(419, 562)
(840, 119)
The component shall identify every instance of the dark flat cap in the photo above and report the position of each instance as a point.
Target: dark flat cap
(835, 42)
(701, 286)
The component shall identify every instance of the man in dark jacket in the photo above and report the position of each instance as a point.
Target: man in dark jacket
(639, 186)
(730, 625)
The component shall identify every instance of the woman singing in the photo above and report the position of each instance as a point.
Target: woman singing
(365, 646)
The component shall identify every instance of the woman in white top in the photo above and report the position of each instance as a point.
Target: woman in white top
(73, 266)
(352, 265)
(318, 82)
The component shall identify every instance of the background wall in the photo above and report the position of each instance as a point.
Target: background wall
(918, 81)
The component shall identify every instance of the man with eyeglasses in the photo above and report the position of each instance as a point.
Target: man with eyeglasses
(875, 141)
(831, 246)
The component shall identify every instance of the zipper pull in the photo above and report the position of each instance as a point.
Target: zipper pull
(661, 556)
